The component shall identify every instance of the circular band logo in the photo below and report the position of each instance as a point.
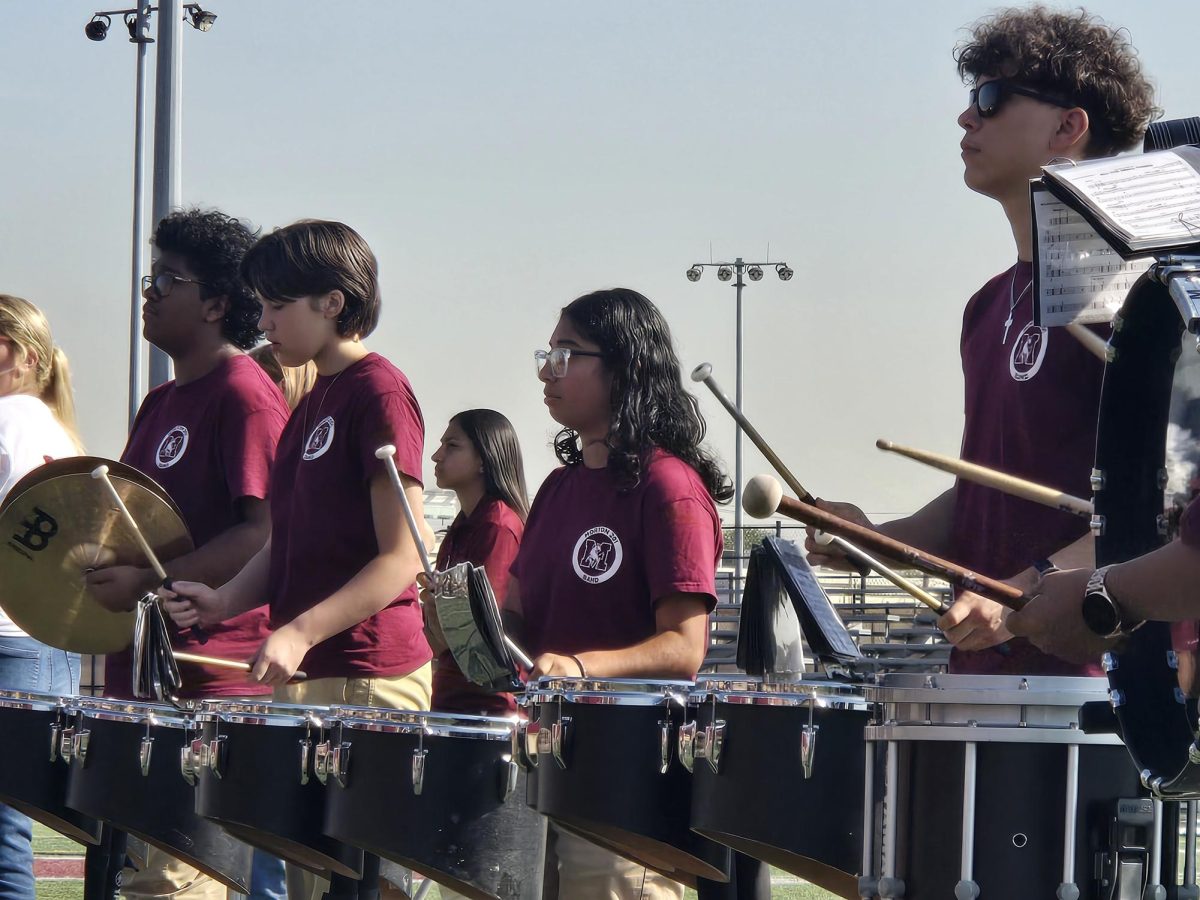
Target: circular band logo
(1028, 352)
(597, 555)
(320, 439)
(172, 447)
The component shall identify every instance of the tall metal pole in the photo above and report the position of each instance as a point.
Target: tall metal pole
(739, 546)
(168, 136)
(141, 37)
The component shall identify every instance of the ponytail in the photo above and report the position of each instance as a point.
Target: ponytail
(57, 394)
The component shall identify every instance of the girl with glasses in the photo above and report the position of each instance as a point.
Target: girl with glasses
(37, 423)
(616, 572)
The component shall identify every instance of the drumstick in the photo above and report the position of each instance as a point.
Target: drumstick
(703, 372)
(219, 663)
(1089, 339)
(895, 578)
(100, 473)
(763, 497)
(387, 453)
(1001, 481)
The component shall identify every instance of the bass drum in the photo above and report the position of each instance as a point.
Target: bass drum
(1147, 454)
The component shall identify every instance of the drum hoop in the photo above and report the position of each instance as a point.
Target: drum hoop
(825, 695)
(133, 711)
(33, 700)
(435, 724)
(611, 691)
(251, 712)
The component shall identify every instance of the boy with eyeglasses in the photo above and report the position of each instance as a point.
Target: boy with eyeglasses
(1045, 85)
(208, 437)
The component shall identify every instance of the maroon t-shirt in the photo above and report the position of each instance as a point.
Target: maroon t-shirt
(1031, 408)
(322, 530)
(595, 559)
(209, 443)
(489, 537)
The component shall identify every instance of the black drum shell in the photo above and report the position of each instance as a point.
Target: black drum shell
(1020, 790)
(158, 807)
(612, 789)
(759, 802)
(33, 777)
(459, 831)
(259, 797)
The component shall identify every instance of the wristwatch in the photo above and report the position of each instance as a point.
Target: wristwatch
(1102, 614)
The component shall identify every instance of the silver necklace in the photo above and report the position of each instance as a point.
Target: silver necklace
(321, 403)
(1012, 303)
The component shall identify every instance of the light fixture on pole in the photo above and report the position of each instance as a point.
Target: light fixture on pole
(137, 20)
(725, 272)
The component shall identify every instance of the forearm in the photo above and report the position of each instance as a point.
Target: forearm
(668, 654)
(930, 528)
(371, 590)
(248, 588)
(1079, 555)
(1163, 586)
(222, 558)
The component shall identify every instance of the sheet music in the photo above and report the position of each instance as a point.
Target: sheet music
(1152, 195)
(1077, 276)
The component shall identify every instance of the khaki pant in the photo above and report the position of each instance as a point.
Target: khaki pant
(589, 872)
(410, 691)
(165, 876)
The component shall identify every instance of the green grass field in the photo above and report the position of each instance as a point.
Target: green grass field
(50, 843)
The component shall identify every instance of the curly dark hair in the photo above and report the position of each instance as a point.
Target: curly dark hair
(650, 408)
(213, 245)
(1072, 55)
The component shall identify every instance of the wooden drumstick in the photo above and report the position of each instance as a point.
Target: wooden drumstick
(763, 496)
(218, 663)
(387, 453)
(1001, 481)
(915, 591)
(703, 372)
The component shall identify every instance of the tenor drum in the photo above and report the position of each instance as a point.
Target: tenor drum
(125, 760)
(439, 793)
(985, 786)
(777, 774)
(255, 775)
(606, 770)
(33, 778)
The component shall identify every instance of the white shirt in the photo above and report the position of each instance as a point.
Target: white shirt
(30, 435)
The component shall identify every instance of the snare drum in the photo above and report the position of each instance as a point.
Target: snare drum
(255, 774)
(125, 760)
(33, 778)
(985, 786)
(777, 773)
(437, 792)
(606, 770)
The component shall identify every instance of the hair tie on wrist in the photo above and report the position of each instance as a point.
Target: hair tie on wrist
(582, 669)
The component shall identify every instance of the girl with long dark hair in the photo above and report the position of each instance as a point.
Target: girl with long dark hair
(479, 459)
(616, 573)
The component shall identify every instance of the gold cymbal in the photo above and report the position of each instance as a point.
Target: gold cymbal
(55, 524)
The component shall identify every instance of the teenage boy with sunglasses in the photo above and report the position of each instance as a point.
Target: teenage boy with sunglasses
(208, 437)
(1045, 85)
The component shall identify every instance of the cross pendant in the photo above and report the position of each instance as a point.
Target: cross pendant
(1007, 325)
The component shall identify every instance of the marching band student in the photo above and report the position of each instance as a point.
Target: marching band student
(1045, 85)
(479, 459)
(37, 424)
(340, 565)
(616, 573)
(208, 438)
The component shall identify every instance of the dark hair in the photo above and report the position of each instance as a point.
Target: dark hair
(314, 257)
(650, 408)
(214, 245)
(495, 440)
(1071, 55)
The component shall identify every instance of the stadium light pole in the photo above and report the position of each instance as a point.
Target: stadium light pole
(725, 272)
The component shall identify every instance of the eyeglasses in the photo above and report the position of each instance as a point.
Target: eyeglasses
(558, 358)
(162, 283)
(988, 97)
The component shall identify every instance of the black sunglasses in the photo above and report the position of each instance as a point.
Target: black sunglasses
(990, 96)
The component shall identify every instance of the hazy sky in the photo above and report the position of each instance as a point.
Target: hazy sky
(503, 158)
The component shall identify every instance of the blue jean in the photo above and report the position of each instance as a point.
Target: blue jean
(267, 877)
(28, 665)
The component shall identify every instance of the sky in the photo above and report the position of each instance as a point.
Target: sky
(503, 158)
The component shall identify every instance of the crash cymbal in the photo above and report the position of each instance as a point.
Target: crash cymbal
(57, 523)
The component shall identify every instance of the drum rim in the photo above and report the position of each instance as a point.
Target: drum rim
(34, 700)
(610, 691)
(151, 714)
(258, 712)
(752, 692)
(427, 722)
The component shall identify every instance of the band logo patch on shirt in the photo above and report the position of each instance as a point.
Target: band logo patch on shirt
(1028, 352)
(172, 447)
(320, 439)
(597, 555)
